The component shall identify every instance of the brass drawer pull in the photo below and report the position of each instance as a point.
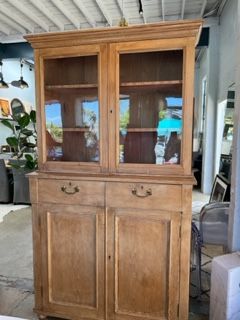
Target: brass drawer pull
(70, 189)
(141, 193)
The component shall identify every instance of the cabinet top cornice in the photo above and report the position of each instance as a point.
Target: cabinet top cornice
(162, 30)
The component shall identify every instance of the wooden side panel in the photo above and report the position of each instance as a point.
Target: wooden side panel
(33, 187)
(185, 252)
(188, 91)
(146, 258)
(37, 256)
(73, 247)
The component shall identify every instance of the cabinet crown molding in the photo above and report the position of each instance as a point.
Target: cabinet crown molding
(161, 30)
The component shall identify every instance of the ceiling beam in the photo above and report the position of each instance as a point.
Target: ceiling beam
(221, 7)
(183, 9)
(104, 12)
(163, 10)
(28, 13)
(58, 4)
(43, 9)
(11, 23)
(85, 12)
(123, 11)
(15, 17)
(203, 7)
(4, 29)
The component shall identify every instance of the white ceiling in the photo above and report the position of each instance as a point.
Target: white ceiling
(18, 18)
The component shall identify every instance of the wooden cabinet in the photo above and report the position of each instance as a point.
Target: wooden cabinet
(112, 196)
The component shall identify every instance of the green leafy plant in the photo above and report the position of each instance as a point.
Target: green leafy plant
(23, 141)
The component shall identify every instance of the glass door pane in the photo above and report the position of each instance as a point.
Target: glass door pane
(150, 104)
(72, 109)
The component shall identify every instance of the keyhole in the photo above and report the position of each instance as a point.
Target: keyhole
(109, 257)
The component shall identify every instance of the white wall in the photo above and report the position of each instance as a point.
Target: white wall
(224, 73)
(234, 215)
(228, 46)
(11, 71)
(208, 69)
(219, 66)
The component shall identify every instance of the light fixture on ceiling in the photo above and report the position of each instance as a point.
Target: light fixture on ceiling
(22, 84)
(123, 21)
(3, 84)
(140, 8)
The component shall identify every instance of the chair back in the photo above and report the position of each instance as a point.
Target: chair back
(214, 223)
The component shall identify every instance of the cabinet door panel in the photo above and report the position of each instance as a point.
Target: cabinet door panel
(73, 104)
(153, 107)
(146, 254)
(74, 252)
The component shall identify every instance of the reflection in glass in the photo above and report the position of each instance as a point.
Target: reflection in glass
(54, 133)
(73, 130)
(168, 146)
(150, 107)
(72, 108)
(150, 132)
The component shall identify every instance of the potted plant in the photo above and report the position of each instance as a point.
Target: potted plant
(23, 143)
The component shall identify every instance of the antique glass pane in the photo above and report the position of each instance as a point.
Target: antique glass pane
(150, 103)
(72, 110)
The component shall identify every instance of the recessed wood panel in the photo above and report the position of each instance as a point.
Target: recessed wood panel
(142, 249)
(73, 251)
(72, 258)
(144, 274)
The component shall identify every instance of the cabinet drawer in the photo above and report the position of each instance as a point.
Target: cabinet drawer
(144, 196)
(71, 192)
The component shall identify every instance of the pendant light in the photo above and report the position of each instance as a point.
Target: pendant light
(3, 84)
(140, 8)
(22, 84)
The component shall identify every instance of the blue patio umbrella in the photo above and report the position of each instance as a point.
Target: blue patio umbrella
(166, 126)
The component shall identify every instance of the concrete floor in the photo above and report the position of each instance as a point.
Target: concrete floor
(16, 272)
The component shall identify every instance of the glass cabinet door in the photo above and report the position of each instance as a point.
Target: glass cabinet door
(72, 109)
(150, 107)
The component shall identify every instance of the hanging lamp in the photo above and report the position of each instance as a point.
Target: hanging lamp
(3, 84)
(22, 84)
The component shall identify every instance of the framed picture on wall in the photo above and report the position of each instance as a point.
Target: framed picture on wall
(5, 109)
(221, 190)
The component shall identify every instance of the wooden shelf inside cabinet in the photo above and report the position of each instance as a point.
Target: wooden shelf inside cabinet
(173, 86)
(141, 129)
(83, 129)
(72, 86)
